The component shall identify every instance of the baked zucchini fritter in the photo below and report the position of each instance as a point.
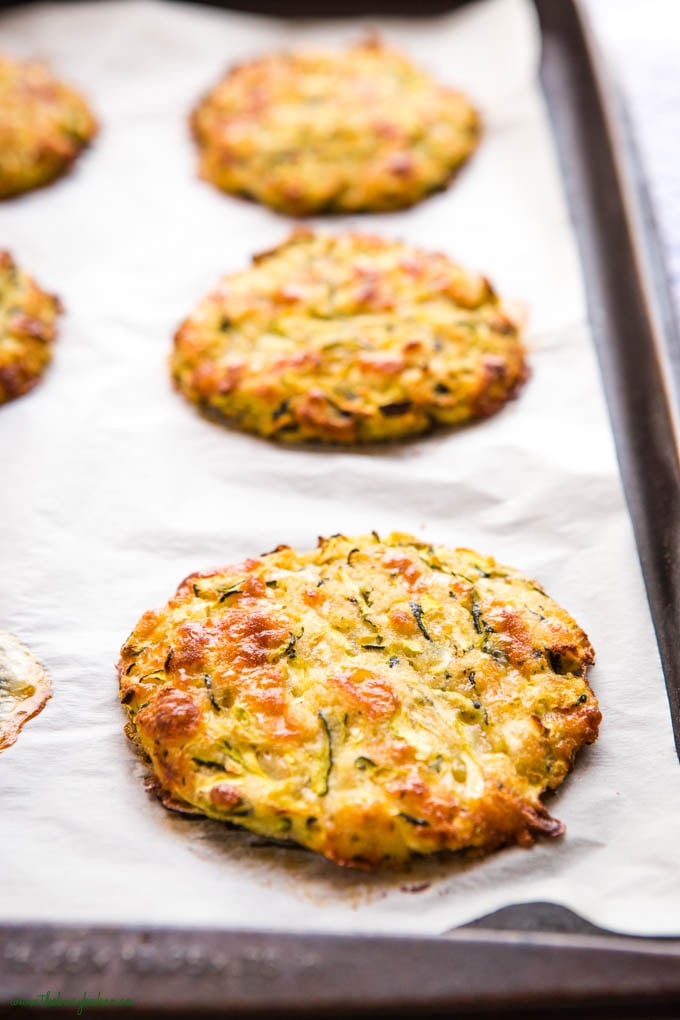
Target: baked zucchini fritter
(370, 699)
(312, 131)
(349, 339)
(28, 329)
(28, 317)
(44, 125)
(24, 688)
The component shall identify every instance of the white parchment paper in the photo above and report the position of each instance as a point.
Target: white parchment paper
(113, 488)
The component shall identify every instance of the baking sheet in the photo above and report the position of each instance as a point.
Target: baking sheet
(113, 489)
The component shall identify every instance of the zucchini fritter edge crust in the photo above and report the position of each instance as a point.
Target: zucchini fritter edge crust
(349, 339)
(371, 699)
(44, 125)
(316, 130)
(28, 328)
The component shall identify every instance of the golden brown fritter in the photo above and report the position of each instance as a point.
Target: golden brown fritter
(28, 328)
(24, 688)
(370, 699)
(310, 131)
(349, 339)
(44, 125)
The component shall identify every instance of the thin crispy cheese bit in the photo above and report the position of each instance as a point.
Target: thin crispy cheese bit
(24, 688)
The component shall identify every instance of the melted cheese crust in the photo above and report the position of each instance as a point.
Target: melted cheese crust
(349, 339)
(308, 131)
(370, 699)
(44, 124)
(28, 328)
(24, 688)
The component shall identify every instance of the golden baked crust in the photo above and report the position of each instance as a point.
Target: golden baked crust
(370, 699)
(24, 688)
(28, 317)
(310, 131)
(44, 125)
(349, 339)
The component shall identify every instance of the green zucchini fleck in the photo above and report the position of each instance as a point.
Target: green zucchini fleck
(420, 822)
(289, 651)
(211, 694)
(154, 672)
(477, 617)
(396, 408)
(280, 410)
(209, 764)
(329, 764)
(417, 611)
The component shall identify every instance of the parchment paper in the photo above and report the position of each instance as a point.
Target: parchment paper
(112, 489)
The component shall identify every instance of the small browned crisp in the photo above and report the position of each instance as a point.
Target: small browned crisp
(24, 688)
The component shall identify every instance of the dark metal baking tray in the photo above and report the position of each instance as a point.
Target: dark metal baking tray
(530, 960)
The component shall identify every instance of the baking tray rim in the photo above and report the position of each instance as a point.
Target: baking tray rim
(532, 966)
